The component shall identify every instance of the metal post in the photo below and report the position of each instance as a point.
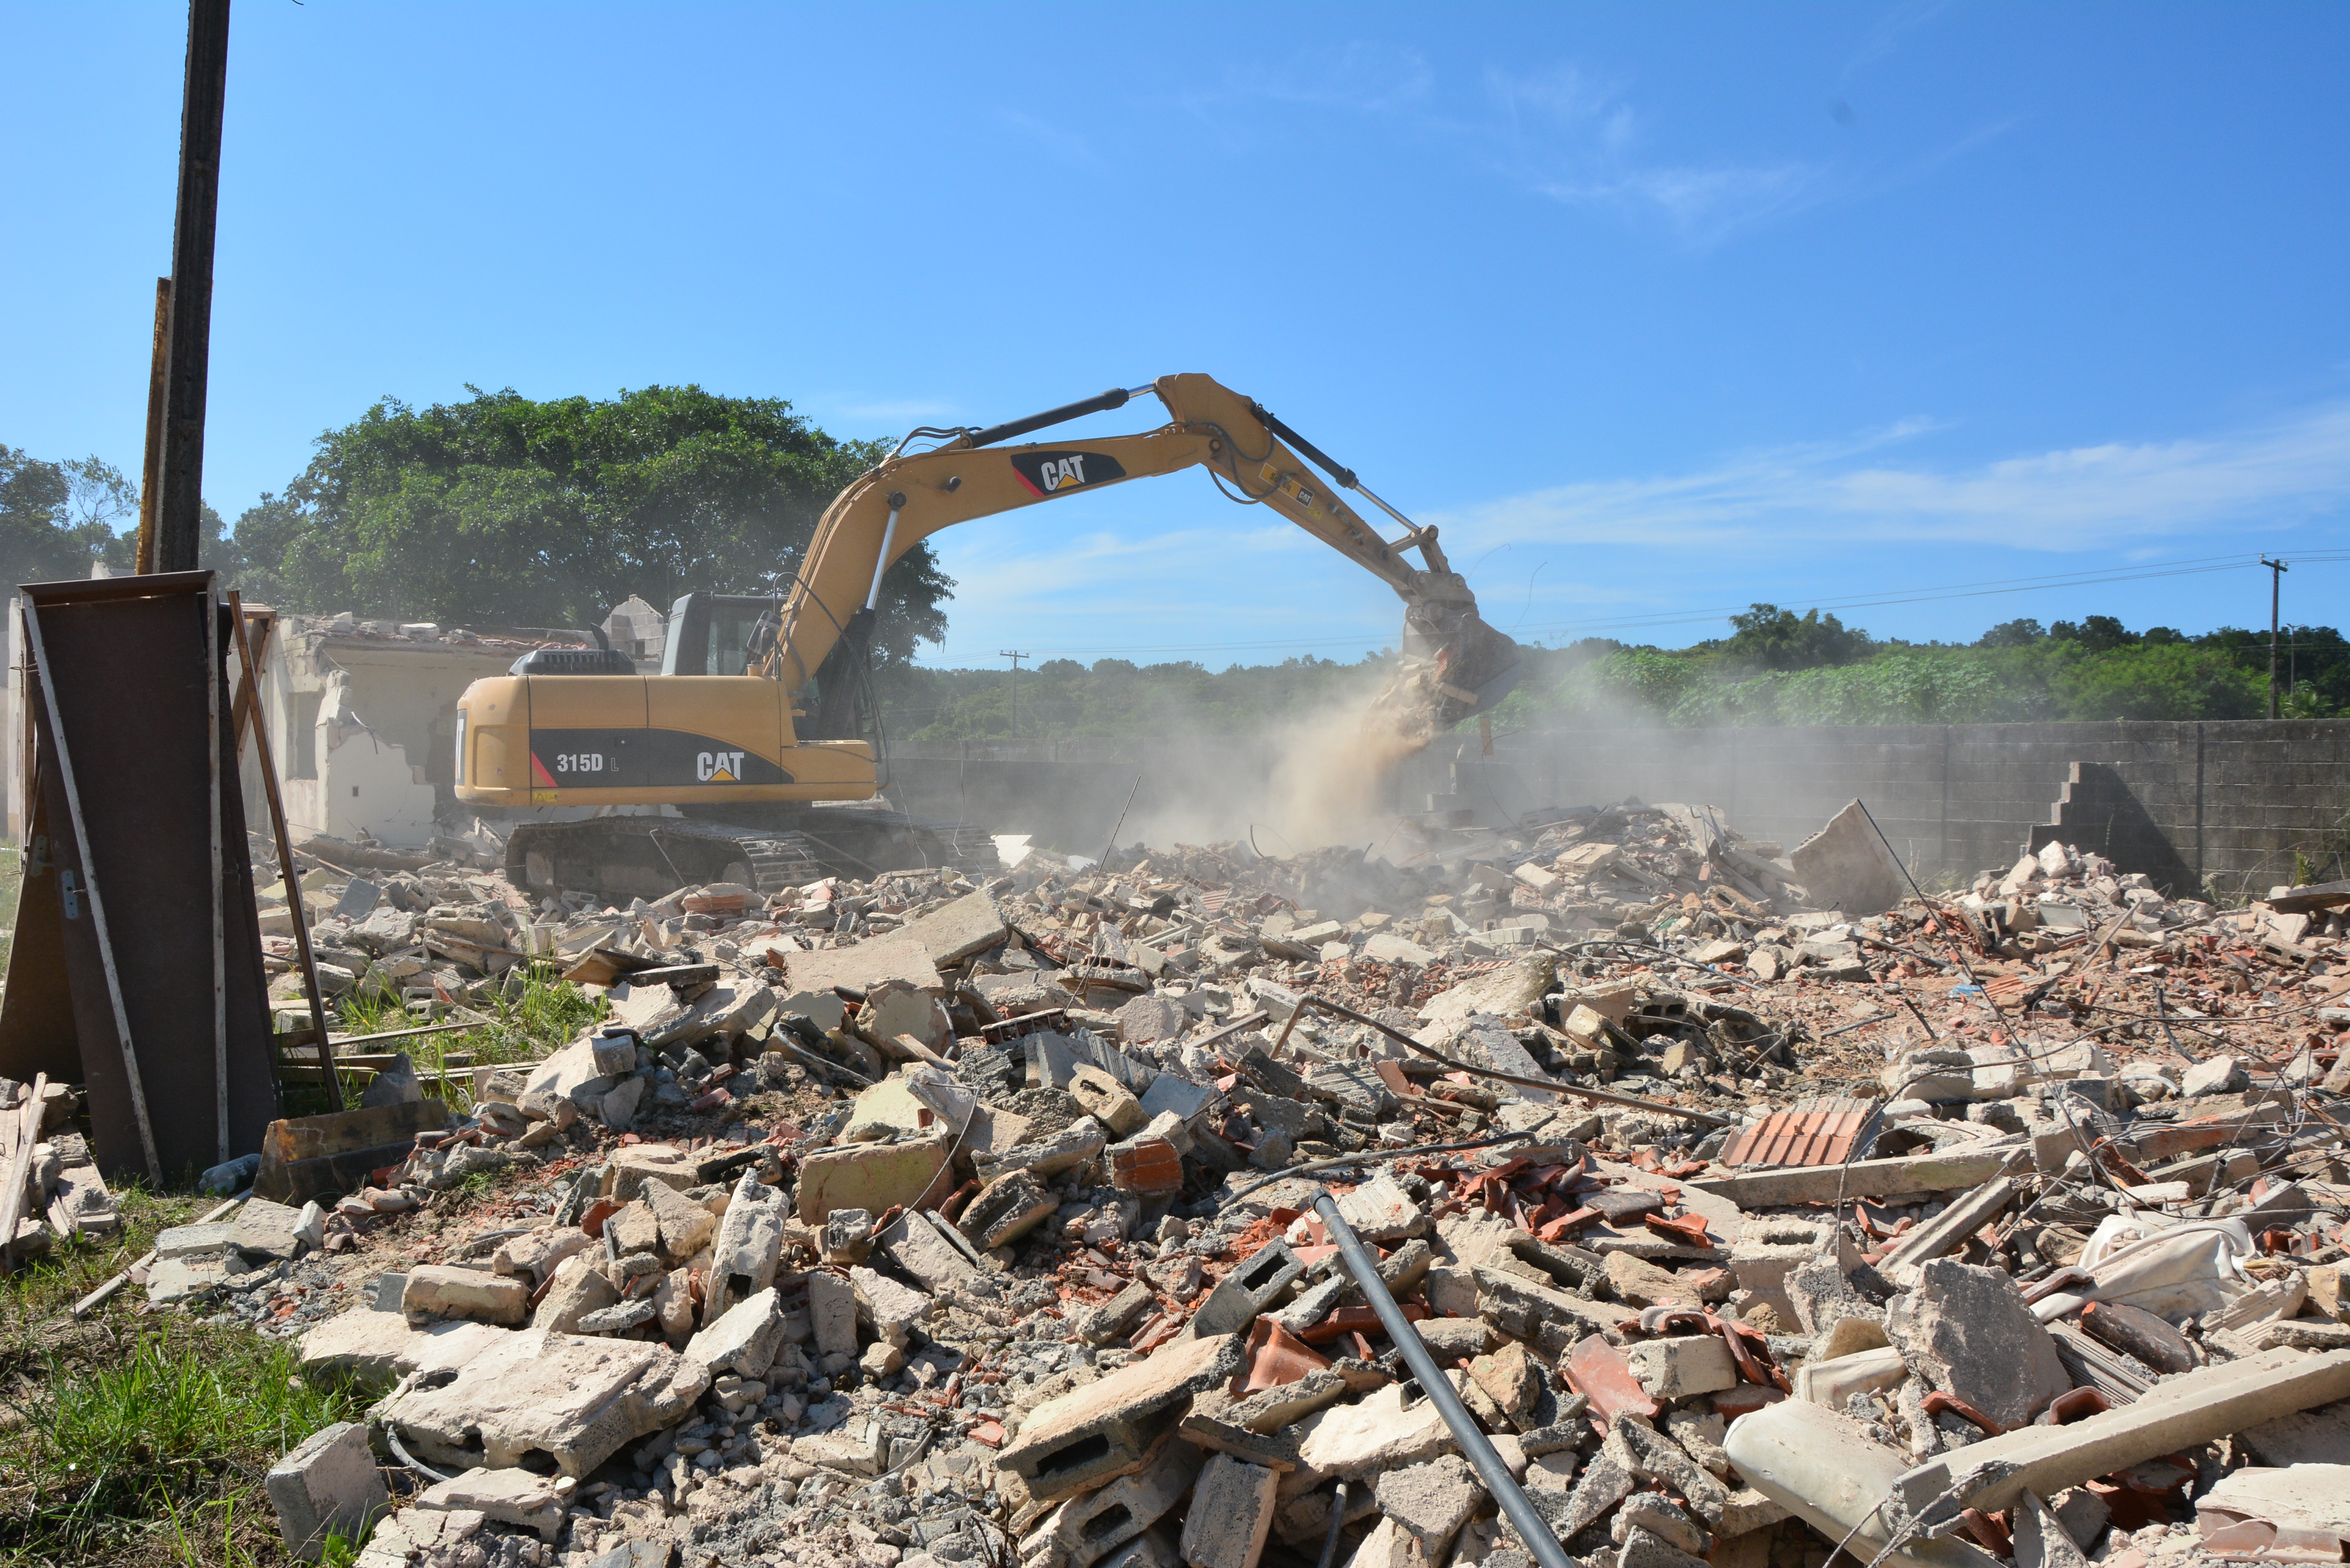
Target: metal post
(179, 518)
(1474, 1444)
(151, 473)
(2277, 570)
(211, 603)
(285, 868)
(1015, 657)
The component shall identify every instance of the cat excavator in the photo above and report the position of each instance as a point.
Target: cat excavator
(760, 730)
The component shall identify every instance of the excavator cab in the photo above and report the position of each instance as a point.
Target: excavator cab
(711, 634)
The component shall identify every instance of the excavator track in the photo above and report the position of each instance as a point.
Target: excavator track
(624, 857)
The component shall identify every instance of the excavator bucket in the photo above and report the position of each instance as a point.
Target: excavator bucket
(1453, 667)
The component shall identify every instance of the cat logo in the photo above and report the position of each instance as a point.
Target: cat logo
(1289, 485)
(1051, 473)
(719, 767)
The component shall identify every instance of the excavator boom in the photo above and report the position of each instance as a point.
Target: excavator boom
(1463, 664)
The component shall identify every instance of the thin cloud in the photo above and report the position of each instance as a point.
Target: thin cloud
(2112, 495)
(1066, 145)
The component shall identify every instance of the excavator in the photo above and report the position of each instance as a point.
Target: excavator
(760, 730)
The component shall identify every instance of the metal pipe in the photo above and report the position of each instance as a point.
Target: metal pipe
(1337, 1523)
(889, 535)
(1474, 1443)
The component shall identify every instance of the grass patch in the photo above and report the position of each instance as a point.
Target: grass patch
(546, 1014)
(12, 888)
(141, 1438)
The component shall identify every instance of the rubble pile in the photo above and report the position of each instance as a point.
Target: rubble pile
(932, 1221)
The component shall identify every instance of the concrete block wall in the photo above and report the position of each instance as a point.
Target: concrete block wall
(2224, 803)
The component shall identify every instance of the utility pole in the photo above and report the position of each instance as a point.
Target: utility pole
(2277, 569)
(178, 530)
(1015, 657)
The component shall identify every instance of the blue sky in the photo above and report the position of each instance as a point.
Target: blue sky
(1656, 309)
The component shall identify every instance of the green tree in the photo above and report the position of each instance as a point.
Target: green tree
(1774, 638)
(58, 518)
(506, 511)
(2020, 633)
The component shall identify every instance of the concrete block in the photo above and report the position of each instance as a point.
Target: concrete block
(1006, 1209)
(1093, 1525)
(873, 1177)
(1248, 1290)
(328, 1484)
(1108, 1101)
(1110, 1427)
(1231, 1514)
(434, 1291)
(745, 1248)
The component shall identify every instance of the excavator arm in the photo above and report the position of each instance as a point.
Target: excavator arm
(1453, 663)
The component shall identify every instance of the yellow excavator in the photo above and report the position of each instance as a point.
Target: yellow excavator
(760, 730)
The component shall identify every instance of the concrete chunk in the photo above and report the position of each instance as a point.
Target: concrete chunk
(327, 1485)
(433, 1291)
(379, 1348)
(1231, 1514)
(1846, 865)
(505, 1496)
(682, 1224)
(1431, 1500)
(540, 1399)
(832, 1313)
(913, 1244)
(971, 924)
(1967, 1331)
(744, 1341)
(874, 1176)
(1682, 1366)
(266, 1229)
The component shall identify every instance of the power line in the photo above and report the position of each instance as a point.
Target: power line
(1990, 588)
